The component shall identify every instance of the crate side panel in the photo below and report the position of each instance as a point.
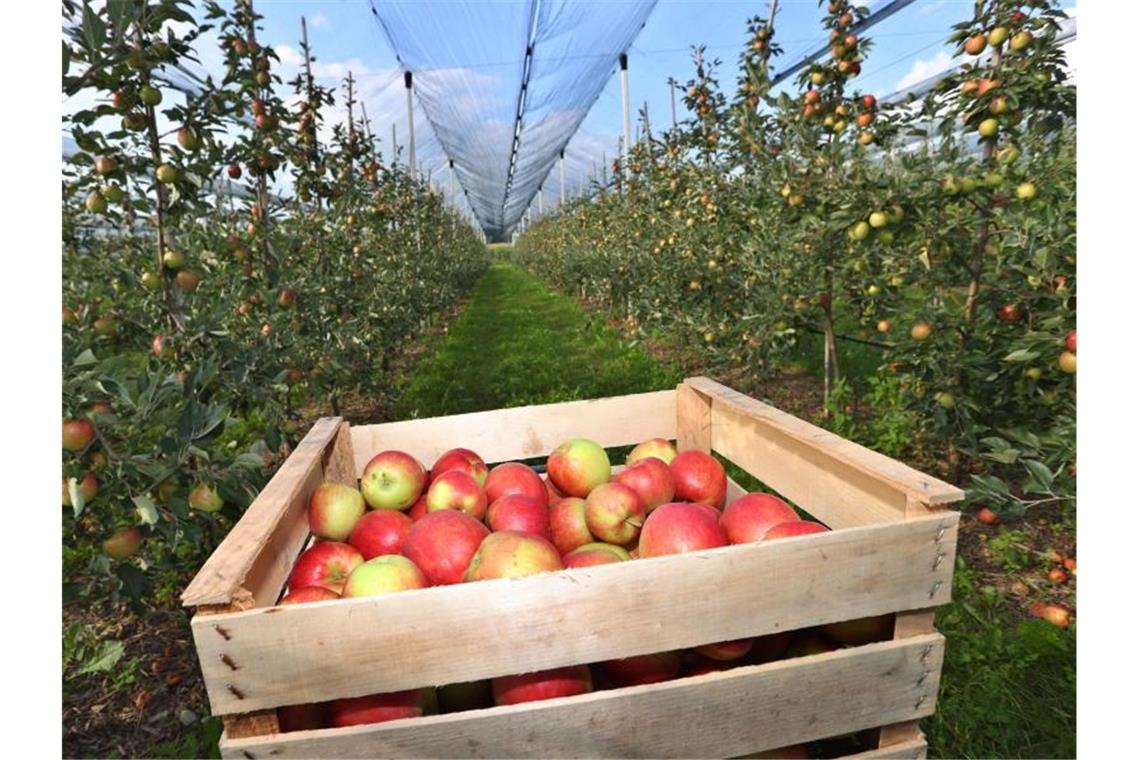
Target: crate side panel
(717, 715)
(524, 432)
(344, 648)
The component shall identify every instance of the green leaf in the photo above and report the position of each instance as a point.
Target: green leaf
(66, 58)
(109, 653)
(1041, 474)
(1022, 355)
(85, 359)
(77, 500)
(146, 509)
(94, 31)
(1005, 456)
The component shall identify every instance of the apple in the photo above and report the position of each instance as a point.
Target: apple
(877, 219)
(106, 165)
(860, 231)
(392, 480)
(884, 325)
(1020, 41)
(651, 479)
(1026, 191)
(309, 594)
(234, 171)
(642, 669)
(188, 280)
(861, 630)
(461, 459)
(123, 543)
(678, 527)
(553, 495)
(975, 44)
(811, 97)
(328, 564)
(794, 528)
(578, 466)
(460, 697)
(1071, 341)
(334, 510)
(385, 574)
(173, 259)
(700, 666)
(1068, 362)
(150, 96)
(699, 477)
(615, 513)
(380, 532)
(205, 498)
(726, 651)
(808, 642)
(751, 516)
(419, 509)
(443, 543)
(654, 447)
(105, 326)
(545, 684)
(593, 554)
(998, 36)
(513, 477)
(520, 513)
(302, 717)
(568, 527)
(376, 708)
(286, 297)
(88, 487)
(455, 489)
(769, 648)
(988, 127)
(869, 102)
(166, 173)
(510, 554)
(920, 331)
(1009, 313)
(77, 434)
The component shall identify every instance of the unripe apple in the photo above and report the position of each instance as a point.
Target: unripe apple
(150, 96)
(123, 544)
(1026, 191)
(205, 498)
(188, 138)
(860, 231)
(166, 173)
(105, 165)
(988, 128)
(1068, 362)
(998, 36)
(173, 260)
(878, 219)
(95, 203)
(1021, 41)
(113, 193)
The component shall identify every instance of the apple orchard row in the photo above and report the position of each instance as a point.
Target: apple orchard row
(408, 528)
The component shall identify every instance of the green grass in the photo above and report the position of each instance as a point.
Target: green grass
(1008, 687)
(518, 343)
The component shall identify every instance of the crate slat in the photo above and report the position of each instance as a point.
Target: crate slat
(526, 431)
(721, 714)
(914, 749)
(342, 648)
(252, 562)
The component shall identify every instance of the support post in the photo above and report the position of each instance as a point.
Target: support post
(411, 126)
(540, 200)
(623, 59)
(673, 99)
(562, 178)
(395, 148)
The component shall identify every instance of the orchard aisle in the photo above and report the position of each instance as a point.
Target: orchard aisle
(519, 343)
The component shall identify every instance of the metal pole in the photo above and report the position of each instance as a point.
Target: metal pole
(395, 148)
(623, 59)
(450, 178)
(562, 178)
(411, 126)
(540, 200)
(673, 99)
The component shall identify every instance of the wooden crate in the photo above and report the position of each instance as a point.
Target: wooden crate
(891, 550)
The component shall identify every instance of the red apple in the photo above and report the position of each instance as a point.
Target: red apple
(592, 554)
(455, 489)
(578, 466)
(376, 708)
(385, 574)
(642, 669)
(751, 516)
(77, 434)
(615, 513)
(861, 630)
(443, 543)
(794, 528)
(123, 543)
(510, 554)
(334, 510)
(1071, 341)
(419, 509)
(654, 447)
(568, 528)
(308, 594)
(651, 479)
(460, 697)
(302, 717)
(513, 477)
(677, 527)
(392, 480)
(381, 532)
(769, 648)
(545, 684)
(698, 476)
(553, 495)
(700, 666)
(726, 650)
(520, 513)
(461, 459)
(327, 564)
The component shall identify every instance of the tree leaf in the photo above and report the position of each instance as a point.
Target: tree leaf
(146, 509)
(94, 31)
(1022, 355)
(77, 500)
(109, 653)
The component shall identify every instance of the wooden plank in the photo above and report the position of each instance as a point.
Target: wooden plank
(819, 445)
(907, 625)
(914, 749)
(259, 723)
(734, 492)
(351, 647)
(694, 425)
(714, 715)
(523, 432)
(257, 555)
(339, 461)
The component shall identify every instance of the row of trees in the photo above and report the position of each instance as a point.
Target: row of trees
(942, 229)
(204, 311)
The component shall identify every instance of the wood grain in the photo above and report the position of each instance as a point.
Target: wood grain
(257, 555)
(716, 715)
(523, 432)
(912, 749)
(694, 422)
(351, 647)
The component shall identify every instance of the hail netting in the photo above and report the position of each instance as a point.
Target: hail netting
(506, 85)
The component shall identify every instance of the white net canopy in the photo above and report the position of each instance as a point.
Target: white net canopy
(504, 115)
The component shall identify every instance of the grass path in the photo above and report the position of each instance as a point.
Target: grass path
(518, 343)
(1008, 687)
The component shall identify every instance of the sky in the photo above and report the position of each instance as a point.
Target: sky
(345, 36)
